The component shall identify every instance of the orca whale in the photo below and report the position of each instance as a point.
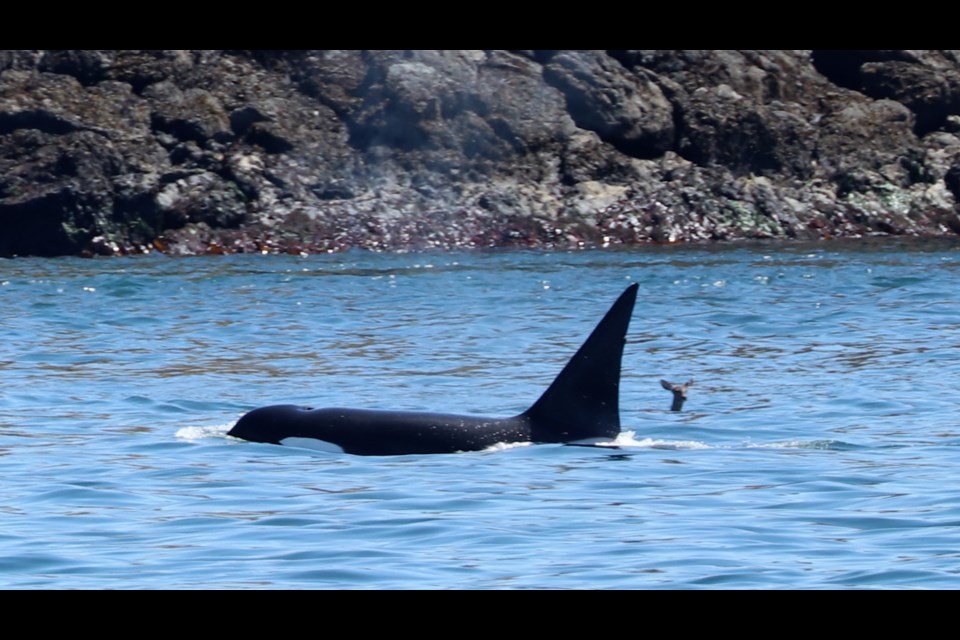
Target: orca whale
(582, 404)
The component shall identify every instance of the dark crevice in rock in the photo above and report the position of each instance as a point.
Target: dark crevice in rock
(179, 128)
(543, 56)
(627, 57)
(38, 119)
(387, 129)
(85, 65)
(952, 181)
(242, 119)
(504, 132)
(267, 139)
(332, 191)
(843, 66)
(38, 226)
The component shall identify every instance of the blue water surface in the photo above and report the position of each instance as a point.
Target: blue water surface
(818, 448)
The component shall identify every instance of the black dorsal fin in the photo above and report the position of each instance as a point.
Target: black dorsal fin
(584, 400)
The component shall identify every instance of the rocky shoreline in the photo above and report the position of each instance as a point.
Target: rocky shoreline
(107, 152)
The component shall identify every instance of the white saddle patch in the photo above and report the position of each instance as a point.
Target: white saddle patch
(312, 443)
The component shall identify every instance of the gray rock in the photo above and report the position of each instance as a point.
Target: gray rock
(196, 151)
(624, 108)
(932, 94)
(194, 114)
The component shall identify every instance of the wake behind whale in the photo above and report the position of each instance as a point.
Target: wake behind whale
(581, 404)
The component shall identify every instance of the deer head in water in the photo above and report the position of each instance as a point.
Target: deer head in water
(679, 392)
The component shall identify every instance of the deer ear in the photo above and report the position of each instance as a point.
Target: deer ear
(666, 385)
(690, 383)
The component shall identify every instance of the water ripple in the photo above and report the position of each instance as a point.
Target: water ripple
(815, 450)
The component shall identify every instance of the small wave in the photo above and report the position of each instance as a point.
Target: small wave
(629, 439)
(672, 445)
(504, 446)
(192, 434)
(801, 444)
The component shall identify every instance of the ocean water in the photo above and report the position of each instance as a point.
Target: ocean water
(818, 447)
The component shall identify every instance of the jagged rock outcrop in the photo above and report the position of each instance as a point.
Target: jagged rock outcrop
(211, 151)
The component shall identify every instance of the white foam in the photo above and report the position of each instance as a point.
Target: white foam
(193, 434)
(629, 439)
(504, 446)
(792, 444)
